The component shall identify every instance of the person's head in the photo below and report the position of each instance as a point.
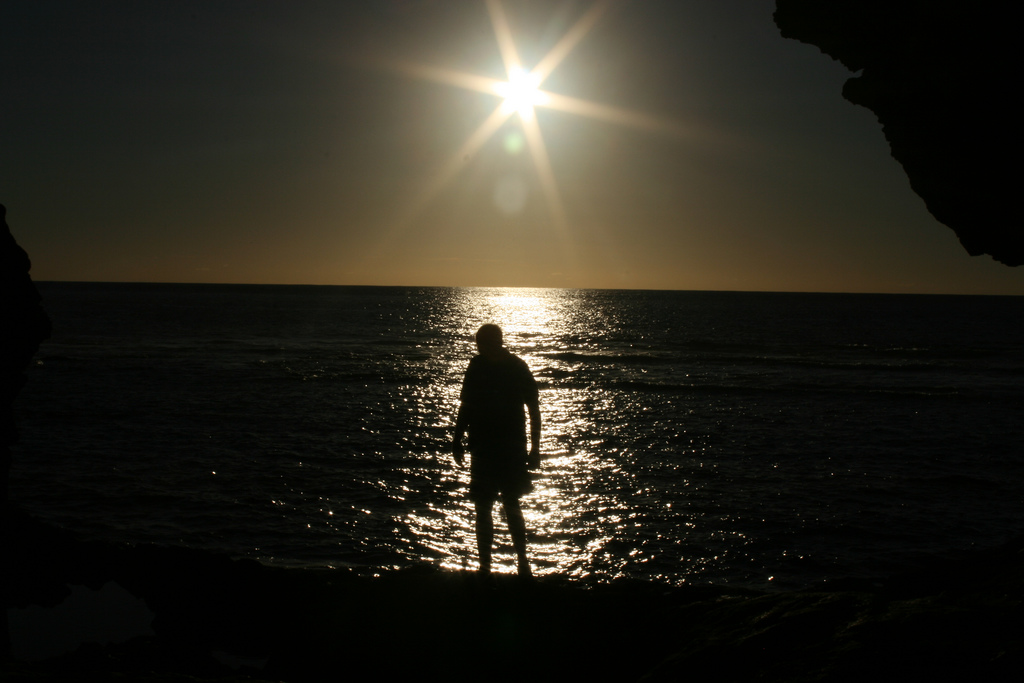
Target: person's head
(488, 338)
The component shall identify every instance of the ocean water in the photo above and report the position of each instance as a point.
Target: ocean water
(753, 439)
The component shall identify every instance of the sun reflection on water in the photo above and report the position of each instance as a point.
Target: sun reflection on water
(575, 508)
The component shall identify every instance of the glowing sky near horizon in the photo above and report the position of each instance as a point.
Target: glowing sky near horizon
(672, 145)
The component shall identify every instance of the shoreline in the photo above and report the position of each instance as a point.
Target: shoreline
(215, 618)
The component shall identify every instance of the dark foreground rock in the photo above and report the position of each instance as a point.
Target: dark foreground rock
(221, 619)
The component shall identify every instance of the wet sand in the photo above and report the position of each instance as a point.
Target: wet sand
(214, 618)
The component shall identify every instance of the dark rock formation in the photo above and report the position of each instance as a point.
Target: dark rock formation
(24, 325)
(939, 76)
(961, 621)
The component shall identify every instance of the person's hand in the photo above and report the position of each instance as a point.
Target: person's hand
(533, 459)
(459, 453)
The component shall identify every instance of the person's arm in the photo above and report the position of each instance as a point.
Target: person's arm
(460, 432)
(531, 397)
(462, 419)
(534, 408)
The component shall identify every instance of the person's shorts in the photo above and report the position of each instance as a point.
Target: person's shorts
(494, 473)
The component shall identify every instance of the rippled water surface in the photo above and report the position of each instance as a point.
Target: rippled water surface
(757, 439)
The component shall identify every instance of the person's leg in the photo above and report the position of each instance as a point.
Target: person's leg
(484, 533)
(517, 529)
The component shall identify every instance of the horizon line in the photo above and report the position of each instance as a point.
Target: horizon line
(583, 289)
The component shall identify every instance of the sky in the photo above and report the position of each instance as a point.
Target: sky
(680, 145)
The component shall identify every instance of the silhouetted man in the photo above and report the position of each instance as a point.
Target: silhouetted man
(496, 387)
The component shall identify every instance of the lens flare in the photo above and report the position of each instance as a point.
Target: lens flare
(521, 93)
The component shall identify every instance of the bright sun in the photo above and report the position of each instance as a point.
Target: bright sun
(521, 93)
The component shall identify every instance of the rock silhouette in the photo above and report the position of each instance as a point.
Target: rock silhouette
(940, 77)
(958, 621)
(25, 325)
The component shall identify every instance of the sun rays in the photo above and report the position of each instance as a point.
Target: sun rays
(521, 94)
